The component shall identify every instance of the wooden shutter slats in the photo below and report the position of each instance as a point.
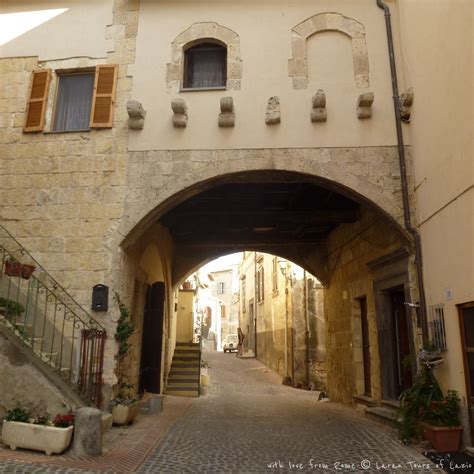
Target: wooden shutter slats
(36, 109)
(104, 96)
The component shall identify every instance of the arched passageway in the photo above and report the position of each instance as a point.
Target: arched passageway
(355, 249)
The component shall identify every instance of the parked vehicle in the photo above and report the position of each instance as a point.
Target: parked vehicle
(231, 342)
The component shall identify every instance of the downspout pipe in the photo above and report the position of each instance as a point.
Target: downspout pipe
(403, 172)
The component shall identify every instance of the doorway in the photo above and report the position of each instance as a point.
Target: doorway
(152, 339)
(251, 327)
(365, 347)
(466, 323)
(401, 363)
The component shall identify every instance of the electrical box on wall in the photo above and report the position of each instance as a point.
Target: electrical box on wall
(100, 298)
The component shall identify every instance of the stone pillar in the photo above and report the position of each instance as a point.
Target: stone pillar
(88, 432)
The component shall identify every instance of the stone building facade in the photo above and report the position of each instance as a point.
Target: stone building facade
(282, 317)
(308, 115)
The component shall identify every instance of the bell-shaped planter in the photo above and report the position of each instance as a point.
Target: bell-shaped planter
(39, 437)
(124, 414)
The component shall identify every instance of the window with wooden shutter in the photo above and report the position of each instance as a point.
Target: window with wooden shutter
(104, 96)
(34, 121)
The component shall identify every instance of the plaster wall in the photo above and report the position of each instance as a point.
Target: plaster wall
(56, 30)
(185, 316)
(264, 30)
(438, 64)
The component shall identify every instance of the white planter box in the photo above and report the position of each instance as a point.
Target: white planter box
(205, 380)
(41, 438)
(124, 414)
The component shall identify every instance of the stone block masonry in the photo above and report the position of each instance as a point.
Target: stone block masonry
(61, 194)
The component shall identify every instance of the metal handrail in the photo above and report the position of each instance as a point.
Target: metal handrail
(41, 274)
(49, 321)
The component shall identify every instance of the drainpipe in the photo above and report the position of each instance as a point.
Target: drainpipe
(403, 172)
(306, 329)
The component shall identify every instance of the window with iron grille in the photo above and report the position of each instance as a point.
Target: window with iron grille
(436, 326)
(221, 288)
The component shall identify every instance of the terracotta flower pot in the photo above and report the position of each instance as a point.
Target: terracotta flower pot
(443, 438)
(18, 269)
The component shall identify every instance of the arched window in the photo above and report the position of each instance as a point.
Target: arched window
(205, 66)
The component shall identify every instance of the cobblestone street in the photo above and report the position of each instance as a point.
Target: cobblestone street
(246, 422)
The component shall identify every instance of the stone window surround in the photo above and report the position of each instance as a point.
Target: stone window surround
(200, 32)
(330, 21)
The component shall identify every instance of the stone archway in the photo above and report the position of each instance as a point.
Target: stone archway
(205, 31)
(298, 64)
(154, 187)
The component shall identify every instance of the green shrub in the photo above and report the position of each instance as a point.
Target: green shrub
(18, 414)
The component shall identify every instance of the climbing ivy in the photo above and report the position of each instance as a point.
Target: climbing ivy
(125, 327)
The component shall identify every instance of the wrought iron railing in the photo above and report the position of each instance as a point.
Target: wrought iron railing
(49, 321)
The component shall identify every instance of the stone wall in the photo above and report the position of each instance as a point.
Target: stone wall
(23, 385)
(351, 247)
(61, 194)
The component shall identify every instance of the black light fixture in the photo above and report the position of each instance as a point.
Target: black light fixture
(100, 298)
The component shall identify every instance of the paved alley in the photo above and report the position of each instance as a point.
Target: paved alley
(247, 422)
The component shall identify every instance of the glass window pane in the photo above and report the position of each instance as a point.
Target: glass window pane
(74, 101)
(206, 66)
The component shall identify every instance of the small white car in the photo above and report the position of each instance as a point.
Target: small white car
(231, 342)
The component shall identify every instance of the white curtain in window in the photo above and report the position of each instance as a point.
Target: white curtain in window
(207, 68)
(73, 105)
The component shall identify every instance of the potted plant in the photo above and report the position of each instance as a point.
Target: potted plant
(205, 378)
(21, 431)
(125, 406)
(441, 424)
(15, 268)
(424, 410)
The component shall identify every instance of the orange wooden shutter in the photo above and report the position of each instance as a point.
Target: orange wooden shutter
(104, 96)
(37, 104)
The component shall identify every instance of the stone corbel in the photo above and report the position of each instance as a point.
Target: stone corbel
(318, 111)
(136, 115)
(406, 100)
(227, 115)
(273, 115)
(180, 117)
(364, 105)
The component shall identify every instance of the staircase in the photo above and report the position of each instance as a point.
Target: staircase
(183, 378)
(386, 413)
(37, 312)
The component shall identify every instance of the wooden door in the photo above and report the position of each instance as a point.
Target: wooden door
(466, 323)
(152, 339)
(365, 347)
(402, 365)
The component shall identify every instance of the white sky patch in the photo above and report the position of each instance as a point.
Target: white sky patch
(13, 25)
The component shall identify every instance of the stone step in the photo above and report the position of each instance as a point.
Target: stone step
(182, 393)
(183, 378)
(188, 344)
(384, 415)
(187, 351)
(184, 364)
(187, 357)
(181, 386)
